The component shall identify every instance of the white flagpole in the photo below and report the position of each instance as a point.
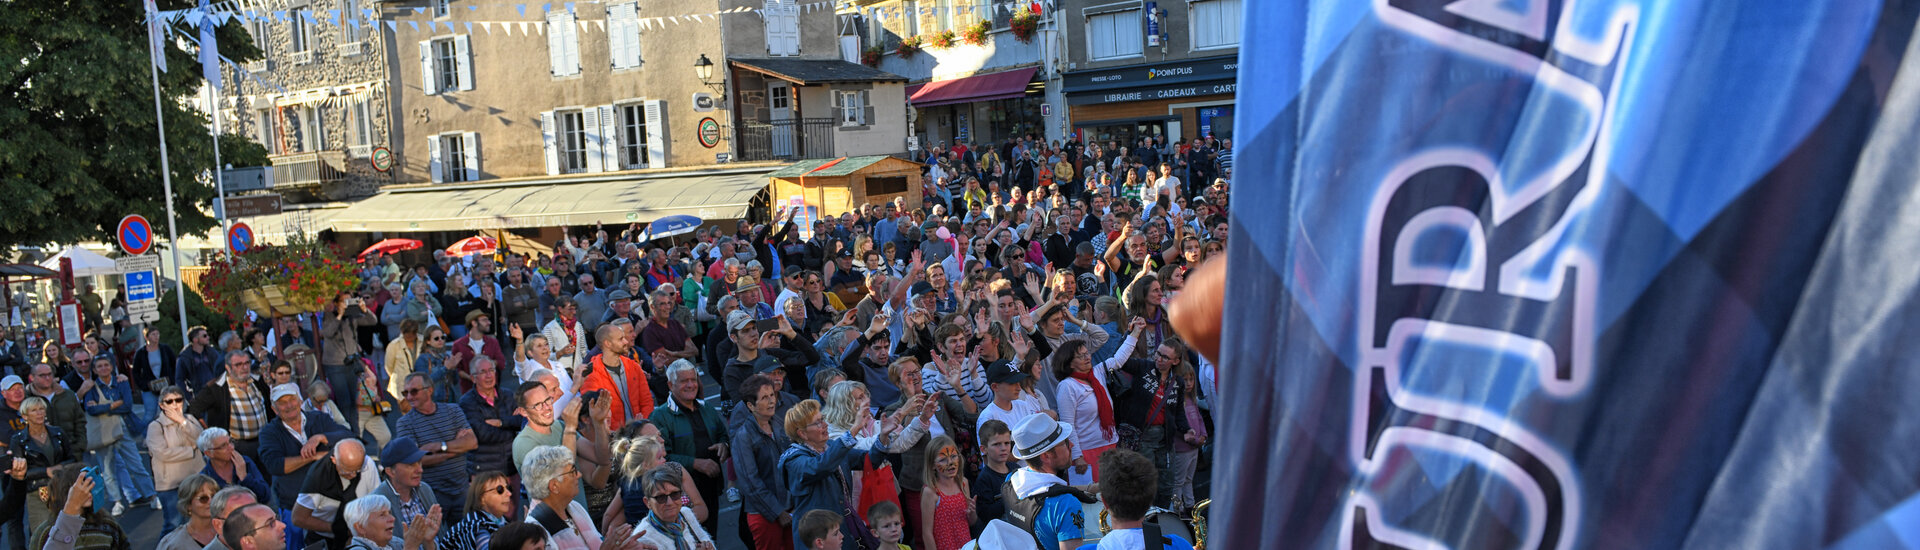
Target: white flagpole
(219, 179)
(166, 182)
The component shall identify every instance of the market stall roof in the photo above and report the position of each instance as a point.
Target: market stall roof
(807, 72)
(25, 271)
(983, 87)
(86, 263)
(558, 201)
(844, 167)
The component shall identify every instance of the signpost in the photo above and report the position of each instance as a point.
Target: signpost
(135, 234)
(239, 237)
(142, 280)
(251, 205)
(70, 323)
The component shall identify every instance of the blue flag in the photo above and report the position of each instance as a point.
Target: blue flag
(1555, 275)
(209, 47)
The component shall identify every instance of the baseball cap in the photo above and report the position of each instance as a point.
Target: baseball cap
(9, 382)
(738, 320)
(402, 450)
(284, 390)
(765, 364)
(920, 288)
(619, 294)
(1005, 372)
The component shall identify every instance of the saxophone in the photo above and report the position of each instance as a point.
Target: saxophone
(1199, 522)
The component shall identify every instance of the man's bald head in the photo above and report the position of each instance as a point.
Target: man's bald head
(349, 456)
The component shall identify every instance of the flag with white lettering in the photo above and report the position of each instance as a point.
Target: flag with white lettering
(1553, 274)
(209, 46)
(156, 35)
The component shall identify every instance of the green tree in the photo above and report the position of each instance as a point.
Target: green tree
(78, 144)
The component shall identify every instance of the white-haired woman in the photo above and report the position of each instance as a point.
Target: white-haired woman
(551, 481)
(670, 524)
(371, 520)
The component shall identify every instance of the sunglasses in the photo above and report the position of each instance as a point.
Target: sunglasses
(171, 401)
(410, 391)
(437, 339)
(499, 490)
(668, 498)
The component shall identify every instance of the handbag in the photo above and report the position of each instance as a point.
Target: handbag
(104, 430)
(877, 485)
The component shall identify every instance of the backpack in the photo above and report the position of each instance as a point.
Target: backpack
(1022, 512)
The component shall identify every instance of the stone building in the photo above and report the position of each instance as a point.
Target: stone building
(317, 100)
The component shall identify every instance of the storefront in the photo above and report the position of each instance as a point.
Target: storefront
(986, 108)
(1175, 100)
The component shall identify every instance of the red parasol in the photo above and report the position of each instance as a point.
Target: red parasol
(478, 244)
(390, 246)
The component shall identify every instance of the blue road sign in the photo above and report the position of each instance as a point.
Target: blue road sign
(140, 286)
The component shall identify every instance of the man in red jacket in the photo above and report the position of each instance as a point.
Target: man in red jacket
(620, 377)
(479, 342)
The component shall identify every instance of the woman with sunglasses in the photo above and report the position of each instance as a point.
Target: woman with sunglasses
(433, 362)
(170, 439)
(489, 504)
(196, 498)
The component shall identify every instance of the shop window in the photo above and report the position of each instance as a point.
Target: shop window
(886, 186)
(1115, 35)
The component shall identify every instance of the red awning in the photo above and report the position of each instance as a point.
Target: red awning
(1000, 85)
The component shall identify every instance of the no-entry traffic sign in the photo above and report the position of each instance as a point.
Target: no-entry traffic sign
(135, 234)
(240, 237)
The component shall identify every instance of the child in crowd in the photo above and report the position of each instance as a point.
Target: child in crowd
(946, 509)
(996, 446)
(888, 525)
(821, 530)
(1128, 483)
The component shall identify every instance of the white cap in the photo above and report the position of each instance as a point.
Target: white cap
(9, 382)
(1000, 535)
(284, 390)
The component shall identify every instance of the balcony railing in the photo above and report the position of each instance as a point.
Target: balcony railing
(308, 170)
(787, 139)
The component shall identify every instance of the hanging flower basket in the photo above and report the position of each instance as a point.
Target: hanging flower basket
(1024, 24)
(908, 47)
(871, 57)
(298, 277)
(941, 40)
(976, 34)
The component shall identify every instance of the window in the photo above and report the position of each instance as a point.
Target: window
(259, 27)
(783, 27)
(1216, 24)
(1114, 35)
(360, 127)
(441, 8)
(300, 31)
(573, 141)
(454, 157)
(563, 43)
(886, 186)
(349, 21)
(446, 64)
(264, 128)
(623, 35)
(633, 136)
(852, 106)
(1002, 12)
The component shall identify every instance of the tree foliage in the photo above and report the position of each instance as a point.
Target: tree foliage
(78, 144)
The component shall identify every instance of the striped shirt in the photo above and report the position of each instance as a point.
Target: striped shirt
(448, 478)
(474, 532)
(248, 413)
(975, 382)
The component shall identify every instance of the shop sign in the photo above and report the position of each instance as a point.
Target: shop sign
(709, 132)
(1157, 74)
(1152, 94)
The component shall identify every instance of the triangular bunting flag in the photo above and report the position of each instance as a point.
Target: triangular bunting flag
(546, 8)
(522, 8)
(569, 7)
(469, 27)
(487, 26)
(415, 25)
(419, 11)
(393, 26)
(471, 7)
(542, 29)
(584, 26)
(601, 24)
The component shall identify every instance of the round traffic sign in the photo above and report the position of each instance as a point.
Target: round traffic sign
(135, 234)
(239, 237)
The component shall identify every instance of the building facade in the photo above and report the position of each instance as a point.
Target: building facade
(497, 90)
(1139, 68)
(316, 99)
(1004, 87)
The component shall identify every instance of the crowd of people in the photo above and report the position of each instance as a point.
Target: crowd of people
(934, 374)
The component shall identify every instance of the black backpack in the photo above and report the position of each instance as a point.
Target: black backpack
(1022, 511)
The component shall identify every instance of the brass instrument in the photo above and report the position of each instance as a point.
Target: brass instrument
(1200, 524)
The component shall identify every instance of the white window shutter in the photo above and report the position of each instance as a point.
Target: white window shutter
(471, 154)
(633, 36)
(866, 106)
(556, 43)
(428, 77)
(434, 165)
(656, 134)
(590, 124)
(770, 14)
(623, 35)
(792, 22)
(572, 45)
(609, 139)
(319, 134)
(547, 129)
(463, 54)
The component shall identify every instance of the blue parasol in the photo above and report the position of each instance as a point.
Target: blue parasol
(670, 226)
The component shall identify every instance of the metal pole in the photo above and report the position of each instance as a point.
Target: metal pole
(166, 182)
(219, 177)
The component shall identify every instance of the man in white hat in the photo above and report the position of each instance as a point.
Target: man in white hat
(1040, 501)
(1000, 535)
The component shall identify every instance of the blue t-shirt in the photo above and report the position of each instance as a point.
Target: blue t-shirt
(1061, 518)
(1131, 539)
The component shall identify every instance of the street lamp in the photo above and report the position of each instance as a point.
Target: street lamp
(704, 69)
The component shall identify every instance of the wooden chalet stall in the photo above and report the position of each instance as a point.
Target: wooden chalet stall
(833, 186)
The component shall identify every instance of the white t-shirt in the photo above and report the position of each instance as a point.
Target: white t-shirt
(1132, 539)
(992, 411)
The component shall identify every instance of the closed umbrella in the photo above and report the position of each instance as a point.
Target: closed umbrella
(670, 226)
(478, 244)
(390, 246)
